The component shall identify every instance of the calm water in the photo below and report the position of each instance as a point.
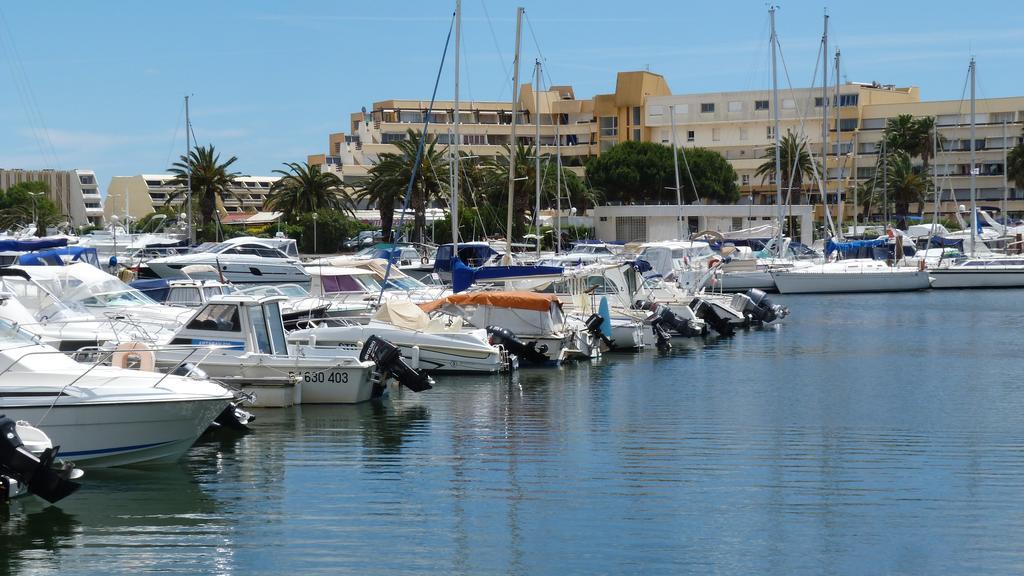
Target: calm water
(867, 434)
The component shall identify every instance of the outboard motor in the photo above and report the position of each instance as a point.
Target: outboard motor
(390, 364)
(32, 471)
(665, 319)
(232, 416)
(528, 352)
(707, 313)
(760, 309)
(593, 325)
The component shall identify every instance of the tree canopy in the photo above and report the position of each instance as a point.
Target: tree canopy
(643, 172)
(27, 202)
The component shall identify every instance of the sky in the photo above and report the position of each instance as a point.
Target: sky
(100, 85)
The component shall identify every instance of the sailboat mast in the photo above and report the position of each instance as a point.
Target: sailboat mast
(1006, 186)
(824, 114)
(536, 152)
(840, 196)
(675, 166)
(778, 151)
(558, 186)
(512, 142)
(974, 168)
(188, 162)
(456, 121)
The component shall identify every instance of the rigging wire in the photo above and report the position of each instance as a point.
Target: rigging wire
(497, 48)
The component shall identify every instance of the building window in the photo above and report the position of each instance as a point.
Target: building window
(760, 104)
(707, 107)
(406, 116)
(847, 124)
(716, 134)
(636, 115)
(735, 106)
(745, 179)
(609, 126)
(631, 228)
(391, 137)
(788, 104)
(848, 99)
(744, 134)
(770, 132)
(818, 101)
(636, 134)
(690, 136)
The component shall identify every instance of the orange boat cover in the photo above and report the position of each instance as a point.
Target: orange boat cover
(519, 300)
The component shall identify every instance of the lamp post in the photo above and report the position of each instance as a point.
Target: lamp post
(35, 216)
(314, 232)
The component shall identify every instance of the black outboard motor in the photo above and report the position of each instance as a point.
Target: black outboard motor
(666, 319)
(593, 325)
(36, 473)
(760, 308)
(707, 313)
(527, 352)
(232, 416)
(390, 364)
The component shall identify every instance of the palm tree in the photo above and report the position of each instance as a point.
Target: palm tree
(906, 183)
(795, 163)
(1015, 164)
(211, 181)
(496, 175)
(304, 188)
(388, 179)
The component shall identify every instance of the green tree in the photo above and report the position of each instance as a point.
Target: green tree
(211, 182)
(634, 172)
(916, 137)
(795, 164)
(907, 183)
(304, 189)
(1015, 164)
(331, 229)
(388, 179)
(27, 202)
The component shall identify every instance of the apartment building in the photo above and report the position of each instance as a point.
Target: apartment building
(739, 125)
(142, 194)
(74, 192)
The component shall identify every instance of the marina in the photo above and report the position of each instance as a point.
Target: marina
(861, 435)
(506, 328)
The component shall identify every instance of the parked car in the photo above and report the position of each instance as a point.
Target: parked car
(362, 240)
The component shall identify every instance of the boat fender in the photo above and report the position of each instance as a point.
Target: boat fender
(35, 472)
(390, 364)
(134, 356)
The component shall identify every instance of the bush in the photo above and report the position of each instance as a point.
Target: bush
(332, 228)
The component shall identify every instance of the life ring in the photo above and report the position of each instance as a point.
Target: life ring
(424, 260)
(134, 356)
(712, 262)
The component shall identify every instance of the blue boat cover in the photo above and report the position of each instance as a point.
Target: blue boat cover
(940, 242)
(470, 254)
(32, 244)
(465, 276)
(156, 289)
(56, 256)
(854, 248)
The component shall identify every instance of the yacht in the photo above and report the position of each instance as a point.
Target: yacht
(103, 415)
(243, 260)
(855, 275)
(439, 344)
(239, 339)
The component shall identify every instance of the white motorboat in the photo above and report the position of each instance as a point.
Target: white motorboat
(103, 415)
(583, 254)
(243, 260)
(527, 324)
(430, 344)
(854, 275)
(989, 272)
(240, 340)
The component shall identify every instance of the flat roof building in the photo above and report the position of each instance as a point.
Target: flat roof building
(142, 194)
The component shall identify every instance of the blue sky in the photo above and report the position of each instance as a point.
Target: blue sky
(99, 85)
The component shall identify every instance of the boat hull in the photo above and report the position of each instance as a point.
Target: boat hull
(968, 278)
(841, 282)
(98, 435)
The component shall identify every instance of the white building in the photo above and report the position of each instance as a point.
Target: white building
(74, 192)
(142, 194)
(654, 222)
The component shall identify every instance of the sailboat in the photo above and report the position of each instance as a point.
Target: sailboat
(979, 271)
(853, 275)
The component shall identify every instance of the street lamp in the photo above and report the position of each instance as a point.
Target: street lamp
(35, 217)
(314, 233)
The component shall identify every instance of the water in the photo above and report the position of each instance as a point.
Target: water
(866, 434)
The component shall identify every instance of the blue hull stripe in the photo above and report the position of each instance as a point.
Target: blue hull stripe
(112, 450)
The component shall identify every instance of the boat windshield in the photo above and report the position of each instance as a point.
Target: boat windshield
(405, 284)
(85, 285)
(39, 301)
(13, 337)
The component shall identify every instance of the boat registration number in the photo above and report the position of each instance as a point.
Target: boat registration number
(330, 377)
